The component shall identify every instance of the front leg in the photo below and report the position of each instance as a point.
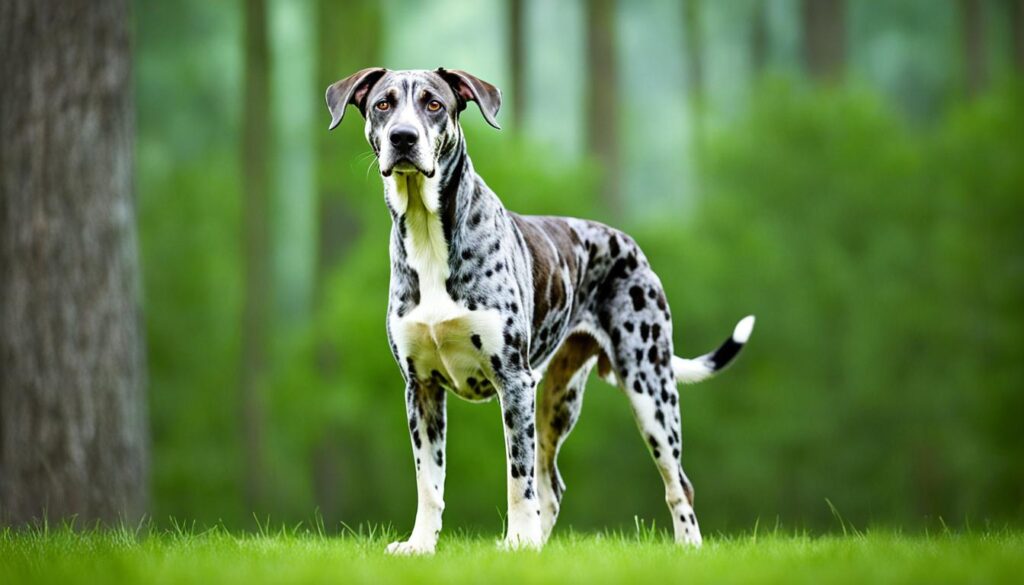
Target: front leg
(425, 405)
(516, 393)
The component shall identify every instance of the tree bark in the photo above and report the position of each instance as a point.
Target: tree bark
(73, 421)
(517, 60)
(824, 30)
(972, 17)
(256, 246)
(603, 98)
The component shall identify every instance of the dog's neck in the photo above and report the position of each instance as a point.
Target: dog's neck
(427, 212)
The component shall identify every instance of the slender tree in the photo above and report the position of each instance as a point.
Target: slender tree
(347, 40)
(759, 38)
(693, 49)
(824, 32)
(73, 431)
(256, 249)
(972, 18)
(1017, 32)
(517, 59)
(603, 98)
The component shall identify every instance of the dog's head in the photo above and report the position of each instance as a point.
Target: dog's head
(412, 117)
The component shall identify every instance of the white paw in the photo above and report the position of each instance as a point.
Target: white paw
(690, 536)
(410, 547)
(523, 539)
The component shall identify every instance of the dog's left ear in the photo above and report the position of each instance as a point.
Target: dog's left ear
(351, 90)
(469, 88)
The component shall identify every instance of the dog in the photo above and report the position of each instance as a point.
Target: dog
(484, 302)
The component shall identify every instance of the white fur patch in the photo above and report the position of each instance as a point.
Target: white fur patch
(741, 334)
(437, 333)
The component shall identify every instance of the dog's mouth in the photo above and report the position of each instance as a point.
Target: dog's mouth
(406, 166)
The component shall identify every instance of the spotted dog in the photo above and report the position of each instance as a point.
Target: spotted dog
(485, 302)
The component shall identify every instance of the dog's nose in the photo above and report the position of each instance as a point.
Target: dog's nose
(403, 136)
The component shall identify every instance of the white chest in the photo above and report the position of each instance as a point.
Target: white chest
(442, 336)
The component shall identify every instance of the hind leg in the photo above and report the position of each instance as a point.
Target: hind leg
(640, 328)
(559, 410)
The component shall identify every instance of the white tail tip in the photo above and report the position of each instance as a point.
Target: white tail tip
(743, 329)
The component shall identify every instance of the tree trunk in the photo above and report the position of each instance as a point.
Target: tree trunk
(603, 98)
(693, 48)
(824, 30)
(73, 430)
(348, 40)
(973, 19)
(256, 246)
(517, 60)
(759, 39)
(1017, 31)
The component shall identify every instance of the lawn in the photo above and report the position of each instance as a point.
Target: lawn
(301, 556)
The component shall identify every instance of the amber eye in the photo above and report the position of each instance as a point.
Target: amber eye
(382, 106)
(433, 106)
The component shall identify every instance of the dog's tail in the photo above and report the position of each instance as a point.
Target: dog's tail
(691, 371)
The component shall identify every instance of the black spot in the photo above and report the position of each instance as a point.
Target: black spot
(613, 246)
(439, 458)
(638, 297)
(496, 363)
(645, 330)
(628, 325)
(655, 331)
(476, 341)
(637, 387)
(467, 254)
(652, 354)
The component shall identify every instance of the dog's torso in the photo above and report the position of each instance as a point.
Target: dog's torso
(472, 280)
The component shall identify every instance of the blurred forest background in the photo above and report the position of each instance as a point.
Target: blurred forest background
(852, 172)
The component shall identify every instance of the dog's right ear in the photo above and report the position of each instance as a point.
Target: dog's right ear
(351, 90)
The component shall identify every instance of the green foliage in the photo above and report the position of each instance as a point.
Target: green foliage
(884, 267)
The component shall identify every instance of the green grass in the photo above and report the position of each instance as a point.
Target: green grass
(300, 556)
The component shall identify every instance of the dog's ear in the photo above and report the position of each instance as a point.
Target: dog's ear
(469, 88)
(351, 90)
